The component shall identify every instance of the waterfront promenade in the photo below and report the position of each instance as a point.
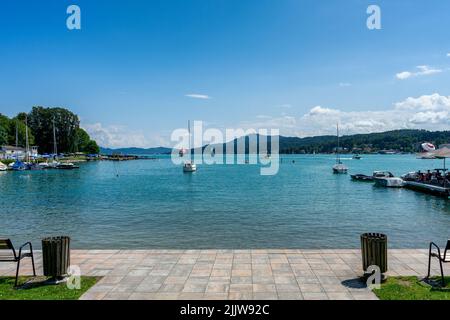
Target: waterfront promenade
(231, 274)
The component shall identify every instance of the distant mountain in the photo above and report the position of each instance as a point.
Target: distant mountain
(135, 151)
(398, 140)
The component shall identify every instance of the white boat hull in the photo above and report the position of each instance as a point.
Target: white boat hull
(189, 167)
(390, 182)
(340, 169)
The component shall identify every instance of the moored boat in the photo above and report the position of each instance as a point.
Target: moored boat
(339, 167)
(375, 174)
(189, 165)
(3, 167)
(66, 166)
(389, 182)
(18, 166)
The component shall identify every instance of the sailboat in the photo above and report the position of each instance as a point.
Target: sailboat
(30, 165)
(189, 165)
(339, 167)
(55, 164)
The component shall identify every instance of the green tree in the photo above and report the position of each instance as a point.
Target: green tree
(82, 140)
(4, 124)
(42, 120)
(92, 147)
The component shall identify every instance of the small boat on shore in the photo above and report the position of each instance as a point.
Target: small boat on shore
(3, 167)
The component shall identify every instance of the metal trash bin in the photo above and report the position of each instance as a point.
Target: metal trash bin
(374, 251)
(56, 256)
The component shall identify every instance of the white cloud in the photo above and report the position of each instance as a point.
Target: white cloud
(431, 112)
(448, 54)
(116, 136)
(345, 84)
(198, 96)
(404, 75)
(422, 71)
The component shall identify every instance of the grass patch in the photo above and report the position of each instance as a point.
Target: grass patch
(35, 289)
(412, 288)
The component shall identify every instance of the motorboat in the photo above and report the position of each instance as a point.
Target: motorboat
(66, 166)
(356, 157)
(389, 182)
(43, 165)
(34, 166)
(3, 167)
(375, 174)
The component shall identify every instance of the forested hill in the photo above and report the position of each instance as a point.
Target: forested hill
(399, 140)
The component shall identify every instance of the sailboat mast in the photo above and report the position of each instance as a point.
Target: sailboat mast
(17, 134)
(189, 130)
(337, 150)
(55, 149)
(27, 147)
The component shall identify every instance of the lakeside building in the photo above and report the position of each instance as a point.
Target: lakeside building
(12, 152)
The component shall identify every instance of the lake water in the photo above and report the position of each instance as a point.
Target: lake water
(152, 204)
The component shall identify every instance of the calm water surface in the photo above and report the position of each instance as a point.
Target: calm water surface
(152, 204)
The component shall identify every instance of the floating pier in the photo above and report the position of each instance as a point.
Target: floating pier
(428, 188)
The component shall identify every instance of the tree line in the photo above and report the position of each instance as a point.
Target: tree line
(70, 138)
(398, 140)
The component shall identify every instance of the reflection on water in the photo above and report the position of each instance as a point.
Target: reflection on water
(152, 204)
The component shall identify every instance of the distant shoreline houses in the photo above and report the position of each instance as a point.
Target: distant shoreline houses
(13, 152)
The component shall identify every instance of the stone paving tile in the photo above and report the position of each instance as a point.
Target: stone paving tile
(241, 280)
(117, 296)
(339, 296)
(218, 287)
(240, 295)
(264, 288)
(194, 287)
(310, 288)
(241, 287)
(315, 296)
(290, 296)
(265, 296)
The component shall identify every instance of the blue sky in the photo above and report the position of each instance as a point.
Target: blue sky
(138, 69)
